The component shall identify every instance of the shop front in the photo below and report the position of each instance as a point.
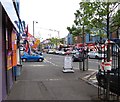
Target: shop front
(8, 46)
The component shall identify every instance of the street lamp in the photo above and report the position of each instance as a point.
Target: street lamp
(33, 26)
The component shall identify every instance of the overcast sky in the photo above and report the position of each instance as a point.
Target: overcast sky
(50, 14)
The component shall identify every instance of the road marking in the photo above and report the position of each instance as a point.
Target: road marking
(94, 62)
(39, 80)
(88, 69)
(35, 65)
(54, 79)
(50, 62)
(73, 67)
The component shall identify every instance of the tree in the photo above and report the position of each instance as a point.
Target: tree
(73, 30)
(104, 14)
(54, 41)
(83, 17)
(115, 24)
(96, 15)
(101, 16)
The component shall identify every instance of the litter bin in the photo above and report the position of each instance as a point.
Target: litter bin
(17, 70)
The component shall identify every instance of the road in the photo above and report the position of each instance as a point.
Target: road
(58, 60)
(46, 81)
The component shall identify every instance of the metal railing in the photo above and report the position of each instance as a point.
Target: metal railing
(109, 79)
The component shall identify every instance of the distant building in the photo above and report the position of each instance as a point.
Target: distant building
(92, 38)
(69, 39)
(77, 39)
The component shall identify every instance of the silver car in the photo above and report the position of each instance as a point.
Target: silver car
(96, 54)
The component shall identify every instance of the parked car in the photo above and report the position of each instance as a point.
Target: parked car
(59, 52)
(67, 52)
(96, 54)
(79, 57)
(51, 51)
(31, 57)
(74, 51)
(114, 80)
(45, 50)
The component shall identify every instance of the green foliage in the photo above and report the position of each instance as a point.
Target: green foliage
(73, 30)
(53, 40)
(115, 22)
(93, 16)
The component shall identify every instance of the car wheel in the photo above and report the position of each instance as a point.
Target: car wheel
(40, 60)
(96, 56)
(24, 60)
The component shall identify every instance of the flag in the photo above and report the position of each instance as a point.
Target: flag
(26, 30)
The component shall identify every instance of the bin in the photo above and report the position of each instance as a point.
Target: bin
(17, 70)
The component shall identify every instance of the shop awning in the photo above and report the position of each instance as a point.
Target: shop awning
(10, 10)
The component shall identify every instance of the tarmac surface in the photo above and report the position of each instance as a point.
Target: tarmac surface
(44, 81)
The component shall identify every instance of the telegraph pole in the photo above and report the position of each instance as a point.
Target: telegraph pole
(34, 27)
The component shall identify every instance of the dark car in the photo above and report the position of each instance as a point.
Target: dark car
(114, 80)
(31, 57)
(79, 56)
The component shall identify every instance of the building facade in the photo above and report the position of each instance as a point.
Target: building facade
(69, 39)
(9, 44)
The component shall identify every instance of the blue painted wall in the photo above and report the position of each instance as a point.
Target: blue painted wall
(91, 39)
(69, 39)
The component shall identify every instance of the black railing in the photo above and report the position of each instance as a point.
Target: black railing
(109, 80)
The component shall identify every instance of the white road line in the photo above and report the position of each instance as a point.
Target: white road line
(51, 62)
(88, 69)
(34, 65)
(94, 62)
(73, 67)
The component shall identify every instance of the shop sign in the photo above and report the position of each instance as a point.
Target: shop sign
(14, 48)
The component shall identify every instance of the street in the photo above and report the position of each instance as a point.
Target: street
(59, 50)
(46, 81)
(58, 60)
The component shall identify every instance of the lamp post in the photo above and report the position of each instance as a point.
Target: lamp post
(33, 27)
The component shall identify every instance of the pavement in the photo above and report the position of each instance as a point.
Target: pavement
(41, 83)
